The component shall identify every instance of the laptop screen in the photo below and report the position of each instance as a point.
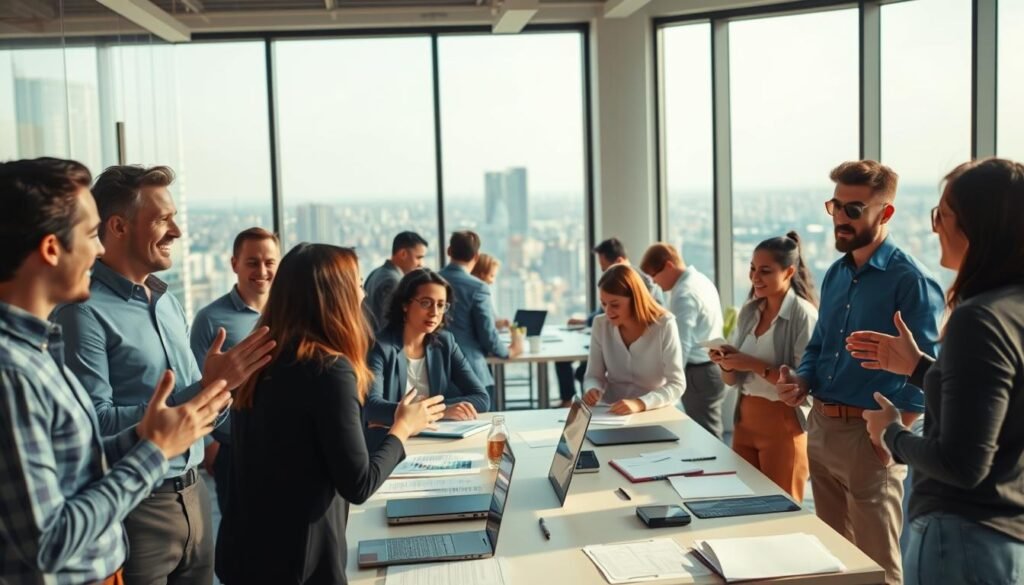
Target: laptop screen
(500, 495)
(568, 450)
(532, 320)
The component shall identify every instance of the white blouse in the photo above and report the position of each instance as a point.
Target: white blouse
(416, 377)
(651, 369)
(762, 348)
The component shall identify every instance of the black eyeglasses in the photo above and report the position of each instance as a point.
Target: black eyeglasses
(426, 304)
(853, 210)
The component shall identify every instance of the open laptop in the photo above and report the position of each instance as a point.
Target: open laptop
(532, 320)
(567, 453)
(453, 546)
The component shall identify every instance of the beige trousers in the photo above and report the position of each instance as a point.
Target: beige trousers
(854, 492)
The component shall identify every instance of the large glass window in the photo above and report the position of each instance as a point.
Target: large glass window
(356, 120)
(687, 138)
(794, 107)
(1010, 131)
(513, 162)
(926, 111)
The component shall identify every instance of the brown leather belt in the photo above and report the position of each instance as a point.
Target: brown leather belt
(834, 410)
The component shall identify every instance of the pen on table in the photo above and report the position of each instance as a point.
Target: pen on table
(623, 493)
(711, 458)
(544, 529)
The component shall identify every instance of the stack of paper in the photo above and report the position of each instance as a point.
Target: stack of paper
(698, 487)
(541, 438)
(480, 572)
(768, 557)
(456, 429)
(435, 486)
(440, 464)
(601, 416)
(647, 560)
(652, 467)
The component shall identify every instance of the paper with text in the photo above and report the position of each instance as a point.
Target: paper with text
(646, 560)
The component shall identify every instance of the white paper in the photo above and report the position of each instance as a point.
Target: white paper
(647, 560)
(541, 438)
(440, 464)
(603, 417)
(477, 572)
(769, 557)
(710, 486)
(713, 343)
(436, 486)
(457, 427)
(651, 467)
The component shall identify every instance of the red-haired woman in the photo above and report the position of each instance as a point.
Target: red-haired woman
(635, 363)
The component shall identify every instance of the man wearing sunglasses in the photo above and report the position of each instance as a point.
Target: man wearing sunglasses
(858, 490)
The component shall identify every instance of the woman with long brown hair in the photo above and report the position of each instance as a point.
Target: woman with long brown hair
(967, 506)
(299, 457)
(636, 363)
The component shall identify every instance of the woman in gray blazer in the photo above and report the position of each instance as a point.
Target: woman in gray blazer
(413, 353)
(772, 331)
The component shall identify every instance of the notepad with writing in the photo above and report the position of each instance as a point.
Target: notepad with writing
(767, 557)
(648, 468)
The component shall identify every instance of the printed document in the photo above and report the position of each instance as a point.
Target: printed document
(645, 560)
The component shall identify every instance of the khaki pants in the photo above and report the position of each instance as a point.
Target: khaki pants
(170, 539)
(854, 492)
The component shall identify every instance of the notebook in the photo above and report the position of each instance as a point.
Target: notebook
(767, 557)
(456, 429)
(647, 468)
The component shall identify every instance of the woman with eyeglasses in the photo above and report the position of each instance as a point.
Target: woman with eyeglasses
(967, 504)
(413, 354)
(298, 455)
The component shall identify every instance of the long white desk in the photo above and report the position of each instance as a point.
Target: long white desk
(593, 514)
(558, 345)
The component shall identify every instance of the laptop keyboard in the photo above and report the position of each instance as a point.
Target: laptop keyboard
(418, 547)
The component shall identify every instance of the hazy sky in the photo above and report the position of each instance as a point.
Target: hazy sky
(355, 116)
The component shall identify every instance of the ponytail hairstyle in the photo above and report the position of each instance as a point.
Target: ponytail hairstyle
(785, 250)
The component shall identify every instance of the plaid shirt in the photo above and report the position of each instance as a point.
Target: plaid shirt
(60, 506)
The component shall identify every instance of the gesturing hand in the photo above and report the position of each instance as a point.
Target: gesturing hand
(898, 354)
(878, 421)
(241, 361)
(173, 429)
(413, 415)
(792, 389)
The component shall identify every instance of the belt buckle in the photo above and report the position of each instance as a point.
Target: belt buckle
(179, 483)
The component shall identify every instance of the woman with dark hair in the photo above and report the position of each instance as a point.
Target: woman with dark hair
(772, 330)
(967, 504)
(298, 453)
(636, 363)
(414, 353)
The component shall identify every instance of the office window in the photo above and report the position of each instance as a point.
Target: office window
(794, 106)
(687, 139)
(1010, 129)
(513, 162)
(201, 109)
(926, 112)
(356, 120)
(49, 105)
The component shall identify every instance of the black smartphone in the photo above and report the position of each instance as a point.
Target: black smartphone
(663, 516)
(587, 462)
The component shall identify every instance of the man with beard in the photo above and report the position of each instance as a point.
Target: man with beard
(119, 343)
(858, 490)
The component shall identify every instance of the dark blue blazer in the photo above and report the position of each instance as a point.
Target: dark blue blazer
(471, 320)
(447, 368)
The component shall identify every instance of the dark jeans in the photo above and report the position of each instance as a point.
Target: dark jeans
(950, 549)
(566, 379)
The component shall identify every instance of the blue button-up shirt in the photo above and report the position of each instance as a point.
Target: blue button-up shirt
(238, 320)
(119, 345)
(862, 299)
(60, 508)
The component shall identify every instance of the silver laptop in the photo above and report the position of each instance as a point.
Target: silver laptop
(438, 508)
(454, 546)
(567, 453)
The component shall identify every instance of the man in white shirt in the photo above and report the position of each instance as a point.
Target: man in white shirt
(694, 300)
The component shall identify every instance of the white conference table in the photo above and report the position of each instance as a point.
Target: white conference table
(594, 514)
(557, 345)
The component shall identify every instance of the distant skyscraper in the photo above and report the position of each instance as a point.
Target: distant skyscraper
(494, 196)
(313, 223)
(516, 199)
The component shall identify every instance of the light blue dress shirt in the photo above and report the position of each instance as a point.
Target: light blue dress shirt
(865, 299)
(119, 342)
(695, 303)
(238, 320)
